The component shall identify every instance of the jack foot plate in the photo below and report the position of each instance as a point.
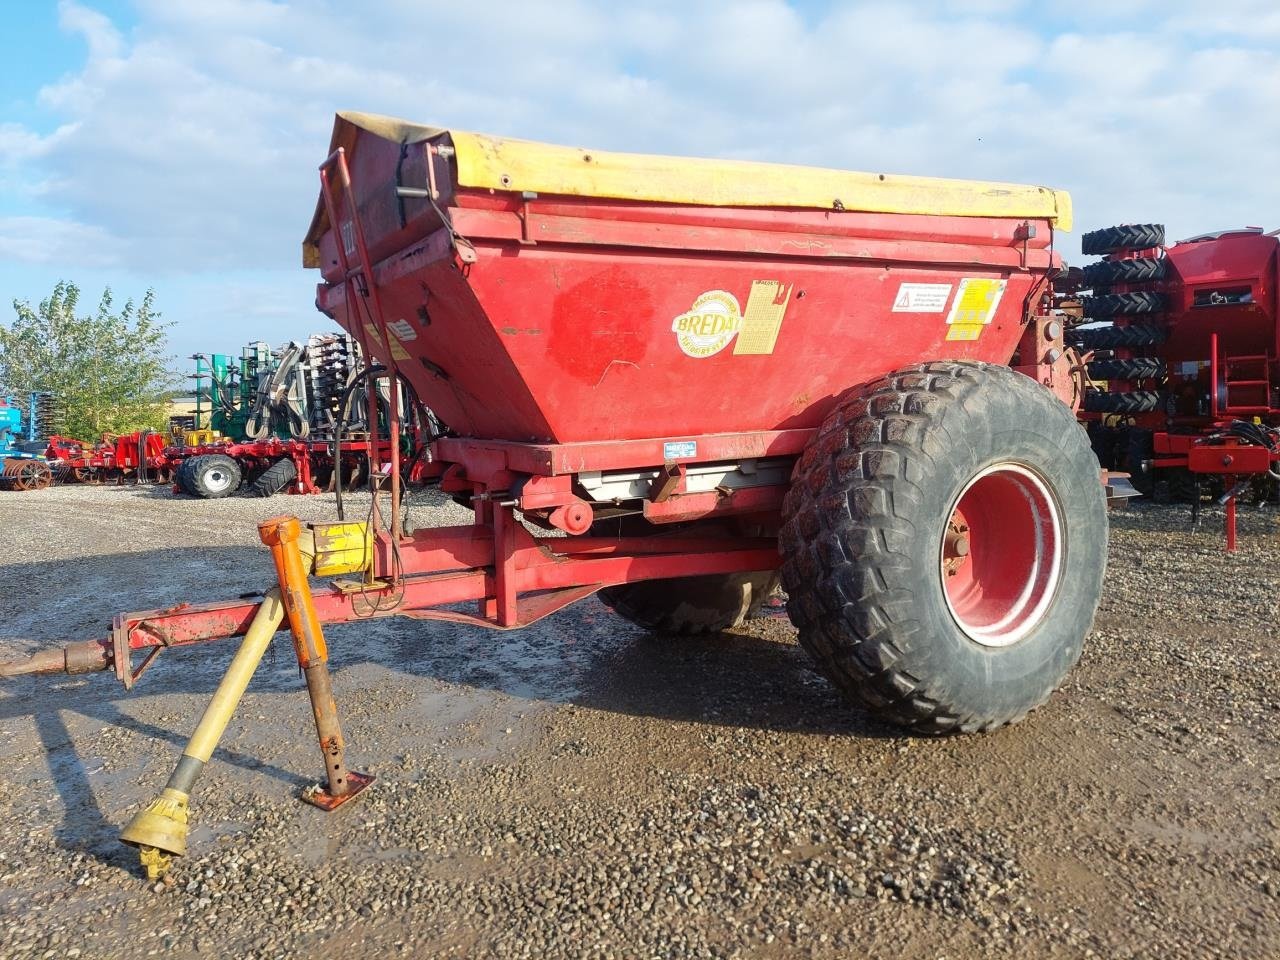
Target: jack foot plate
(318, 796)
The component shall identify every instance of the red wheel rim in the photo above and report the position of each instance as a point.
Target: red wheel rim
(1001, 554)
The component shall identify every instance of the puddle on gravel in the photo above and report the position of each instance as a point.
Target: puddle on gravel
(553, 660)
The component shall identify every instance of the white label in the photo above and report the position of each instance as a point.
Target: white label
(922, 298)
(402, 329)
(679, 449)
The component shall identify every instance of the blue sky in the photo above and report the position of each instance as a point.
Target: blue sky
(173, 143)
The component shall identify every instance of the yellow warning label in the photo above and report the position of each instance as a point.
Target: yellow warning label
(766, 307)
(974, 307)
(398, 352)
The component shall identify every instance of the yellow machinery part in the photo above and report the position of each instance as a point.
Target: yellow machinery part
(342, 548)
(520, 165)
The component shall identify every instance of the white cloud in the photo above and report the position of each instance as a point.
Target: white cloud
(196, 135)
(47, 240)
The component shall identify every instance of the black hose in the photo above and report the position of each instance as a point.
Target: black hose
(341, 427)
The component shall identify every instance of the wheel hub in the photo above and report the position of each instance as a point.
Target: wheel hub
(955, 545)
(1001, 553)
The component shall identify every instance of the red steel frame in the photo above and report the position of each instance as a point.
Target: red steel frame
(515, 577)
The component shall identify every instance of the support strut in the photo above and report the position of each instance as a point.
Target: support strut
(160, 830)
(282, 535)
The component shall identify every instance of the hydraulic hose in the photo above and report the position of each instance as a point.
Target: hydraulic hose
(348, 396)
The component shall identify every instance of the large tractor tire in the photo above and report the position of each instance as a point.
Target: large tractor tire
(692, 605)
(944, 544)
(213, 476)
(275, 478)
(1134, 336)
(1137, 401)
(1123, 305)
(1128, 236)
(1134, 368)
(1138, 270)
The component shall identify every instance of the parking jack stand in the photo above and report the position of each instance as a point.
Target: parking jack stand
(160, 830)
(283, 536)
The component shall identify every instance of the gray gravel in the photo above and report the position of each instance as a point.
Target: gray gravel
(582, 789)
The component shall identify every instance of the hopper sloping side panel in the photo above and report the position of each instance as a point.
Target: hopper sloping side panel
(591, 334)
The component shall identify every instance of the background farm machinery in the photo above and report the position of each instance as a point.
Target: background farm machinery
(35, 455)
(288, 420)
(1182, 351)
(22, 462)
(138, 456)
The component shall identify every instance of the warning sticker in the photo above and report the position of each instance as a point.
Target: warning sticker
(403, 330)
(922, 298)
(398, 351)
(975, 306)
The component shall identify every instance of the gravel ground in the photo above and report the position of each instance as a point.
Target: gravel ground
(582, 789)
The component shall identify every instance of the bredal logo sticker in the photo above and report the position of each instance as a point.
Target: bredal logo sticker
(709, 326)
(715, 319)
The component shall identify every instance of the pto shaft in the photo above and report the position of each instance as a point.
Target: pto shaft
(160, 830)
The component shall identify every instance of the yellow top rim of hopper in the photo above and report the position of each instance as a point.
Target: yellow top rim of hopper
(503, 164)
(499, 163)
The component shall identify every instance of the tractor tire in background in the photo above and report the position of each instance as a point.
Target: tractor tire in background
(1128, 236)
(944, 544)
(1137, 401)
(213, 476)
(1139, 452)
(1134, 368)
(692, 605)
(1134, 336)
(686, 605)
(1138, 270)
(182, 476)
(275, 478)
(1123, 304)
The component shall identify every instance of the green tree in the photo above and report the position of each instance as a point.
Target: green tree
(108, 370)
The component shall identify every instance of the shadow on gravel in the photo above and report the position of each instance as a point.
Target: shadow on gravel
(585, 656)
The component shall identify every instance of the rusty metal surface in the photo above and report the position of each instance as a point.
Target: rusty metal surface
(329, 731)
(22, 473)
(317, 796)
